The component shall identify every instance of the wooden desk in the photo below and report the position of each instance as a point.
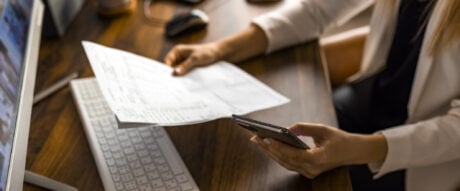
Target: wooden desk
(218, 154)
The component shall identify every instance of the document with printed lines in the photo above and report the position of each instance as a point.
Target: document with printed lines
(140, 90)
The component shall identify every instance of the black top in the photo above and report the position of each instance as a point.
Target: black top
(393, 85)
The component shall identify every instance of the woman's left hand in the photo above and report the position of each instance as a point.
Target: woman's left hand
(334, 148)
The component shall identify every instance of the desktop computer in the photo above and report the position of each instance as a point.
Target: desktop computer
(20, 24)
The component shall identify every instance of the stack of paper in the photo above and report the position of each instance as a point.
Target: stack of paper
(141, 90)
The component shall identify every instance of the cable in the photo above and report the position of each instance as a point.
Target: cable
(147, 15)
(207, 8)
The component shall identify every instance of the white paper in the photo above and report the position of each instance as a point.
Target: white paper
(141, 90)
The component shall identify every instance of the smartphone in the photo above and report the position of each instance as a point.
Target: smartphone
(266, 130)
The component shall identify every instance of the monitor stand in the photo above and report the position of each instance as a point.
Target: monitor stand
(45, 182)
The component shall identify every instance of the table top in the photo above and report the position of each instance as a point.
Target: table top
(218, 153)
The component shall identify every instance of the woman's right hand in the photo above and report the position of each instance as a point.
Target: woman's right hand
(183, 58)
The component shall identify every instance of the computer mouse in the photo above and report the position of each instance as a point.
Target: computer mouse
(186, 23)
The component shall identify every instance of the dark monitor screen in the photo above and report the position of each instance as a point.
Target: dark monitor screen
(15, 16)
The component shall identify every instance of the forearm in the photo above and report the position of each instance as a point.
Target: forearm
(243, 45)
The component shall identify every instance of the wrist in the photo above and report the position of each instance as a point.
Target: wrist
(369, 148)
(222, 50)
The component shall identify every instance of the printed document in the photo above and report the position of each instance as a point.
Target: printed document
(141, 90)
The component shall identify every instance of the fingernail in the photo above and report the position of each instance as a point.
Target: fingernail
(176, 71)
(253, 140)
(266, 141)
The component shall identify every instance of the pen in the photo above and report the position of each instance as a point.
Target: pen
(54, 88)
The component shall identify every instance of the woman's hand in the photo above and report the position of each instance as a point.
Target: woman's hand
(184, 58)
(243, 45)
(334, 148)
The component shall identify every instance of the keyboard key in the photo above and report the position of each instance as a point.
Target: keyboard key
(186, 186)
(125, 144)
(131, 185)
(159, 189)
(157, 183)
(150, 167)
(163, 168)
(140, 147)
(113, 169)
(119, 186)
(171, 183)
(159, 160)
(132, 157)
(182, 178)
(146, 160)
(145, 187)
(124, 169)
(153, 175)
(135, 164)
(129, 150)
(126, 177)
(142, 180)
(138, 172)
(142, 153)
(105, 147)
(116, 177)
(167, 175)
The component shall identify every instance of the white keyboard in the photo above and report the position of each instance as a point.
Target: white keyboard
(141, 159)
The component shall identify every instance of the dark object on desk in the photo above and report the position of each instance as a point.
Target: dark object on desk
(58, 16)
(186, 23)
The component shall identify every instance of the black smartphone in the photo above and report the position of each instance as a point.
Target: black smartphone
(265, 130)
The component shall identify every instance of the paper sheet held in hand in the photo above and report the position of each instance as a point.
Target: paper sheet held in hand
(141, 90)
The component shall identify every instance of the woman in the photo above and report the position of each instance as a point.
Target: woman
(400, 111)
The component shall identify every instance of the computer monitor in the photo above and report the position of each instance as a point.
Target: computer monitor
(20, 28)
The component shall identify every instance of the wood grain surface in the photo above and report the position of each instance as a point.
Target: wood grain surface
(218, 153)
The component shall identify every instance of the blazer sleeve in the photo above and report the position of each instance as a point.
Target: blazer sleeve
(433, 141)
(302, 20)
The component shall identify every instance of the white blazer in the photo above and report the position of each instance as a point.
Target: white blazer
(428, 145)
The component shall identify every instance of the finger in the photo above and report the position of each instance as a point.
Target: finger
(178, 54)
(282, 162)
(170, 59)
(307, 173)
(184, 67)
(288, 152)
(303, 168)
(309, 129)
(288, 162)
(264, 143)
